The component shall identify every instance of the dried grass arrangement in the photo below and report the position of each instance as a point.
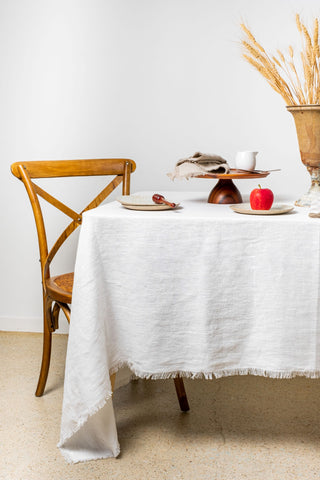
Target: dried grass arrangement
(298, 82)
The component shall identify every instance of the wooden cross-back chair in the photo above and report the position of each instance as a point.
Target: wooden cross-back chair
(57, 290)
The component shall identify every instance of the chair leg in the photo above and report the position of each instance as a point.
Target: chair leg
(181, 394)
(46, 349)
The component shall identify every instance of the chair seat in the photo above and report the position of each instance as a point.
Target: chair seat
(60, 287)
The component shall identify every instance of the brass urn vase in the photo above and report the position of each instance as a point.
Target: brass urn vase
(307, 122)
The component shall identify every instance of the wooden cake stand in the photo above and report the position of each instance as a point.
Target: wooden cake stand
(225, 190)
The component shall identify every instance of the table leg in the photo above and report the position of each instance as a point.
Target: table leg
(112, 380)
(225, 191)
(181, 393)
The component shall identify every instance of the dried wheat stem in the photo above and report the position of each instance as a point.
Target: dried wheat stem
(281, 73)
(298, 88)
(270, 77)
(298, 23)
(252, 38)
(316, 37)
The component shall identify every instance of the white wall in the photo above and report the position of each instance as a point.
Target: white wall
(153, 80)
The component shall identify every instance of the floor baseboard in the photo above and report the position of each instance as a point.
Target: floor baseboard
(28, 324)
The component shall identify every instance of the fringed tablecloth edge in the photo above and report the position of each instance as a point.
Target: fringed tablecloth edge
(138, 373)
(70, 460)
(281, 374)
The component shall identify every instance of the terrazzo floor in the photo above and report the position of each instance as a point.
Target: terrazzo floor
(238, 427)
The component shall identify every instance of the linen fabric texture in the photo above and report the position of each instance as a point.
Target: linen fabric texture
(199, 164)
(200, 290)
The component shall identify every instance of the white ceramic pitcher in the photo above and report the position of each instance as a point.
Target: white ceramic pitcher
(246, 160)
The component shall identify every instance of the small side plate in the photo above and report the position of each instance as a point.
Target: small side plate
(276, 209)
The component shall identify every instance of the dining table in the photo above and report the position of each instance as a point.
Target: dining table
(199, 291)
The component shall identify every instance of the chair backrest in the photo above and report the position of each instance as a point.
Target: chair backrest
(121, 168)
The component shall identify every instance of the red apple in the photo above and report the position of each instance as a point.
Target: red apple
(261, 198)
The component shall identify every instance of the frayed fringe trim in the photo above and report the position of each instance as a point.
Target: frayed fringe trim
(281, 374)
(70, 460)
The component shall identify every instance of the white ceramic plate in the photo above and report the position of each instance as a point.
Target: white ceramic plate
(276, 209)
(139, 202)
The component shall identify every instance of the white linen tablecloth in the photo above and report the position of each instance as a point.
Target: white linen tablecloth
(201, 291)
